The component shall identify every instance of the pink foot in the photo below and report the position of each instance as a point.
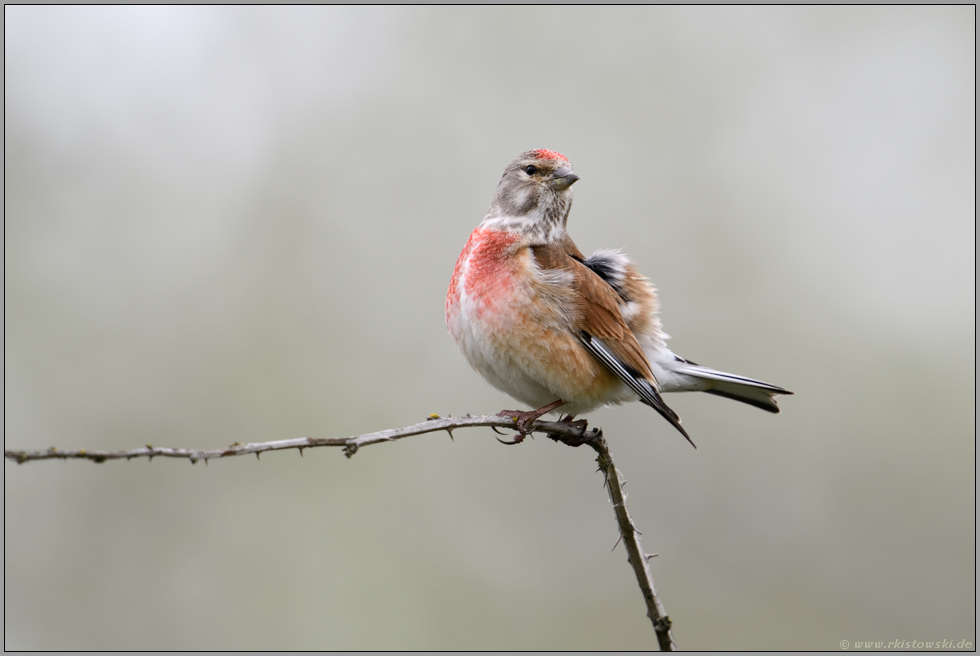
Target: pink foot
(525, 419)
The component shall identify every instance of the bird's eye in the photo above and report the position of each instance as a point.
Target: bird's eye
(530, 169)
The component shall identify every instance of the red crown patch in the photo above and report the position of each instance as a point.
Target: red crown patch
(550, 154)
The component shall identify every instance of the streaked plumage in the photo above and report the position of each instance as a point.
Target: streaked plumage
(541, 322)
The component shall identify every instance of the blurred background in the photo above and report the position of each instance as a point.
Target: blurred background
(239, 224)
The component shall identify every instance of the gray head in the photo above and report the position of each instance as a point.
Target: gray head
(534, 195)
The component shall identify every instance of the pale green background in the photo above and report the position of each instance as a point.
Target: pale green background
(239, 225)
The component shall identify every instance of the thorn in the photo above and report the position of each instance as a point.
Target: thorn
(450, 431)
(617, 542)
(257, 456)
(301, 452)
(649, 556)
(193, 461)
(205, 462)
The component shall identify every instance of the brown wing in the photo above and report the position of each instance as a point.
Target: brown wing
(599, 314)
(601, 327)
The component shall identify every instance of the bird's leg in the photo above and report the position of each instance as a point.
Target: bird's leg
(525, 419)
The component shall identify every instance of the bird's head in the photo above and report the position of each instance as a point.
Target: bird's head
(534, 195)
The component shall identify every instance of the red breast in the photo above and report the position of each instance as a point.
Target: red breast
(484, 269)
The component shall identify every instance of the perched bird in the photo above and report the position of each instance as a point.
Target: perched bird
(557, 330)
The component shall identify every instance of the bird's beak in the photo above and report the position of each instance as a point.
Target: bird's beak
(563, 178)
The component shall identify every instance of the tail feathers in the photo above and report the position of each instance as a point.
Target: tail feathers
(751, 395)
(730, 386)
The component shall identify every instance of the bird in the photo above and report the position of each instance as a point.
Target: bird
(557, 330)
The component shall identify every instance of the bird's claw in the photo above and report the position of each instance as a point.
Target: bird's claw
(517, 439)
(525, 419)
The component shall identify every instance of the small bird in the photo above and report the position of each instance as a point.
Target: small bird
(555, 329)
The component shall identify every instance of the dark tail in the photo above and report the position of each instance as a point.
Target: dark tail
(737, 388)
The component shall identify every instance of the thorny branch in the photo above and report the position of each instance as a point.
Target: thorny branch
(631, 538)
(433, 424)
(567, 433)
